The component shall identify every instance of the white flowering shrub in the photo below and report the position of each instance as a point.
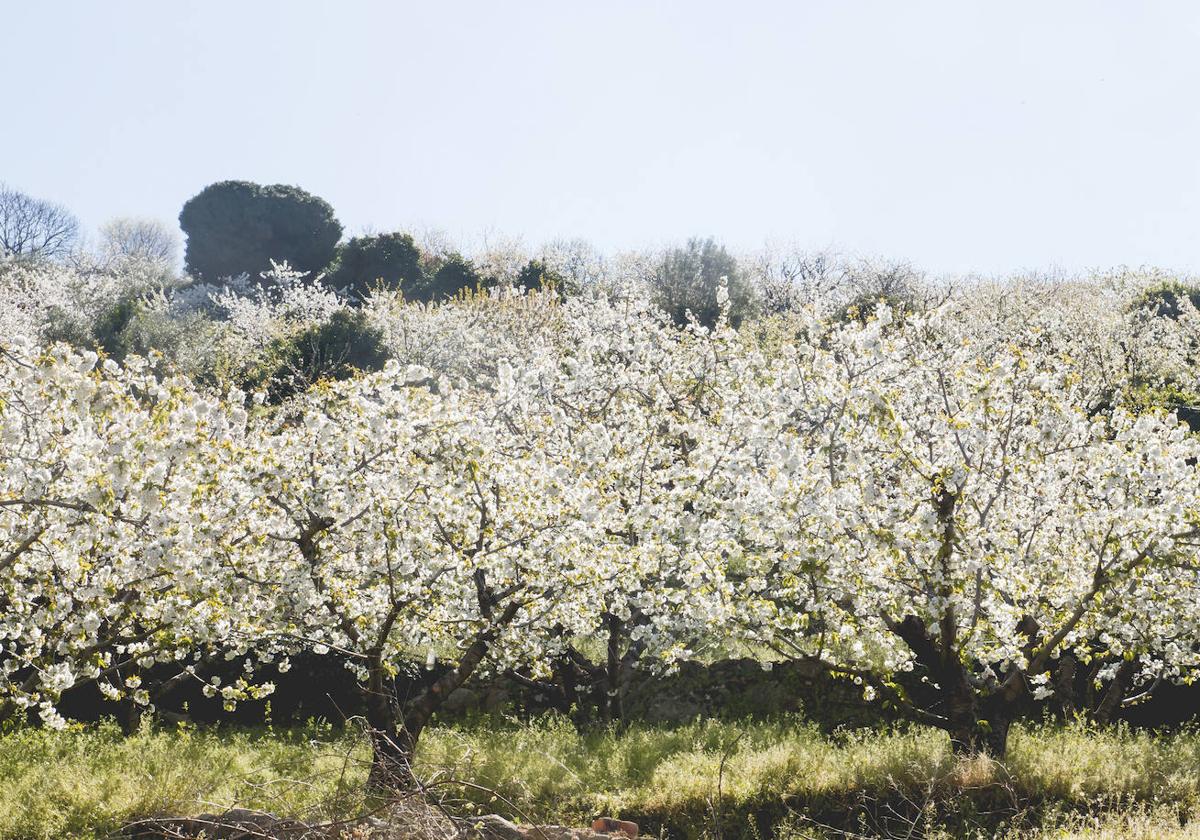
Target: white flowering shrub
(115, 304)
(467, 339)
(285, 302)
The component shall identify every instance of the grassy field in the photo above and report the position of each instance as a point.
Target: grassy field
(781, 778)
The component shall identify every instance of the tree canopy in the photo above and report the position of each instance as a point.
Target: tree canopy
(391, 260)
(32, 228)
(236, 227)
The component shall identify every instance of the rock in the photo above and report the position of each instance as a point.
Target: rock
(497, 698)
(460, 700)
(668, 709)
(607, 825)
(494, 827)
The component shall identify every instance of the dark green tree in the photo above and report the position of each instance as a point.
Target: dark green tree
(536, 276)
(239, 226)
(455, 274)
(1164, 299)
(336, 349)
(687, 279)
(392, 259)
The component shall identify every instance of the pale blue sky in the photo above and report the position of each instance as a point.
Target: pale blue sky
(965, 136)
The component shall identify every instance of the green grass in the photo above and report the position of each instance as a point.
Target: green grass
(88, 782)
(790, 779)
(670, 778)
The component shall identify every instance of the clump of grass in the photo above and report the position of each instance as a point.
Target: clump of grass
(1162, 824)
(548, 763)
(1082, 764)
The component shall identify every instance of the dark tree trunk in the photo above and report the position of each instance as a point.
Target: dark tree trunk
(611, 710)
(976, 718)
(1114, 695)
(395, 731)
(982, 736)
(392, 753)
(996, 738)
(1065, 674)
(570, 689)
(616, 674)
(393, 744)
(130, 716)
(962, 724)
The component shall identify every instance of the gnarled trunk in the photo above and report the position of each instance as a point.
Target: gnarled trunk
(979, 718)
(393, 743)
(982, 736)
(610, 709)
(1114, 695)
(976, 717)
(392, 753)
(395, 729)
(1066, 671)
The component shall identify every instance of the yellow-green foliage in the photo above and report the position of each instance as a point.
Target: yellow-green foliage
(87, 783)
(1061, 782)
(1085, 765)
(1135, 824)
(554, 771)
(646, 769)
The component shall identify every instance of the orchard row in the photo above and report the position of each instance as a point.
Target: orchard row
(937, 502)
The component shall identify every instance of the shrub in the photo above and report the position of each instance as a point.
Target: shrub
(536, 276)
(337, 349)
(1170, 397)
(392, 259)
